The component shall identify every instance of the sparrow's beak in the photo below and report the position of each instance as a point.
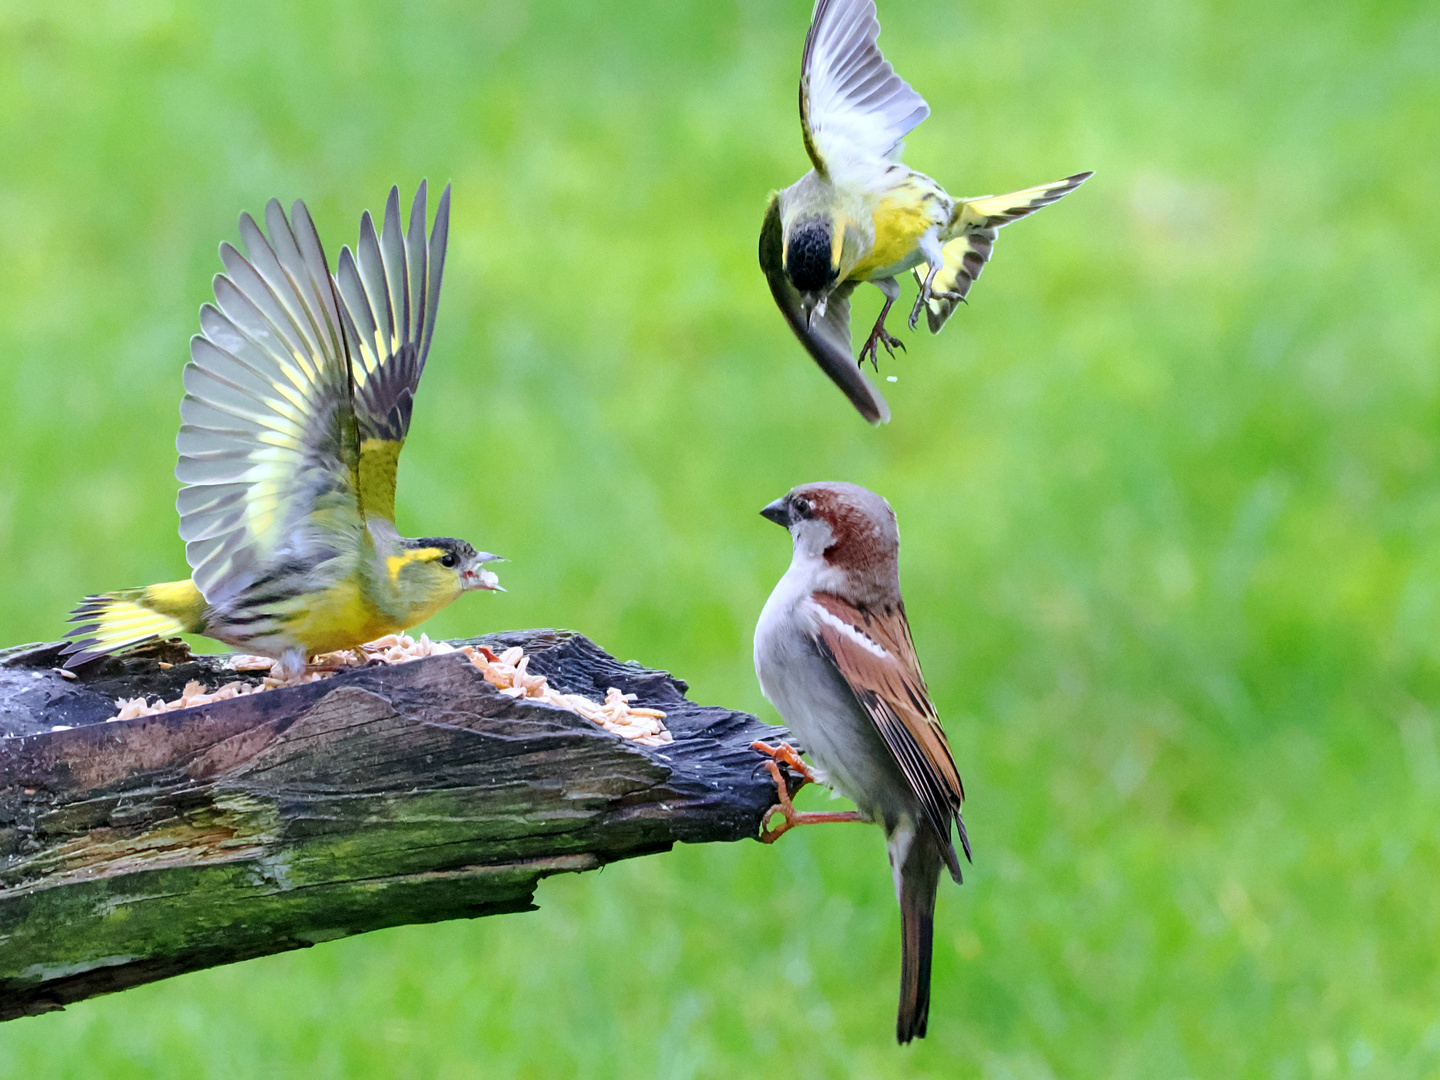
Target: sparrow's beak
(811, 306)
(475, 576)
(778, 511)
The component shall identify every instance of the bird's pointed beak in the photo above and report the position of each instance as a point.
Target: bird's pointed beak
(475, 576)
(778, 511)
(812, 306)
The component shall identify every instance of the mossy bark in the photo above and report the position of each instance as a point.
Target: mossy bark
(141, 849)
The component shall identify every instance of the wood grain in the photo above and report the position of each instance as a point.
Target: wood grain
(140, 849)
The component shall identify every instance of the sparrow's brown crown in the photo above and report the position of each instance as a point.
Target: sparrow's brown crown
(864, 538)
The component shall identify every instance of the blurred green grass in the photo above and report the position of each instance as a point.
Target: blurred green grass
(1166, 488)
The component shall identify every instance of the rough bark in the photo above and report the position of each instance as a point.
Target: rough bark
(141, 849)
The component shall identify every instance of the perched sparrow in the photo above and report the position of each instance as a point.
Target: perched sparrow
(833, 654)
(861, 215)
(298, 399)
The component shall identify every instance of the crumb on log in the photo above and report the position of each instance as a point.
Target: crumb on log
(389, 794)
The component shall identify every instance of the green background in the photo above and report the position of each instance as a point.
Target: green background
(1166, 487)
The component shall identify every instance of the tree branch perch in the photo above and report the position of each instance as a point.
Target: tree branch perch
(385, 795)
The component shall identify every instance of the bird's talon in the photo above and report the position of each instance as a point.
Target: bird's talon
(879, 336)
(786, 755)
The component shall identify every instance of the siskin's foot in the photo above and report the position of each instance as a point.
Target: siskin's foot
(786, 808)
(926, 295)
(290, 666)
(879, 336)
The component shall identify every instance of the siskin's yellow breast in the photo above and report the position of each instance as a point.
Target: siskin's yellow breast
(900, 220)
(340, 617)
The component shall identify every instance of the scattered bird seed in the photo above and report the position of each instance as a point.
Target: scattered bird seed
(508, 672)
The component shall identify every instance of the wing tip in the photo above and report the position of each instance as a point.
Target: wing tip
(880, 409)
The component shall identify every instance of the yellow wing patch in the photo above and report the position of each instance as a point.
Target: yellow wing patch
(964, 259)
(379, 462)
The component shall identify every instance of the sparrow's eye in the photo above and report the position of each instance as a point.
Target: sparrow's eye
(448, 560)
(802, 508)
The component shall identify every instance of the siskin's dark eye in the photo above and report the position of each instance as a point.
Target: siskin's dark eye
(802, 508)
(448, 560)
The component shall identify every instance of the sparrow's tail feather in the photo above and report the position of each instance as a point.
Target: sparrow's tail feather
(974, 227)
(919, 879)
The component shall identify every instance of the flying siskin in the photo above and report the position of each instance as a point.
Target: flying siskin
(297, 402)
(862, 215)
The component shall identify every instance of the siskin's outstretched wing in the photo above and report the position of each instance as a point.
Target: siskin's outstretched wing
(268, 449)
(826, 338)
(975, 226)
(390, 291)
(854, 109)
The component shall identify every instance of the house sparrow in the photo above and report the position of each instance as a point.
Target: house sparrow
(862, 215)
(834, 655)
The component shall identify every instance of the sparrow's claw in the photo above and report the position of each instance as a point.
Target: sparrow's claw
(786, 809)
(793, 817)
(785, 754)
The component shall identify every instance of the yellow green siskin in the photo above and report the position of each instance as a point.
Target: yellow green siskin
(297, 402)
(862, 215)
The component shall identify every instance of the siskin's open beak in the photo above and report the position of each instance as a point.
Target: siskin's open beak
(475, 576)
(811, 306)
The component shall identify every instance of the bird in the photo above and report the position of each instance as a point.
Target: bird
(298, 397)
(834, 655)
(860, 214)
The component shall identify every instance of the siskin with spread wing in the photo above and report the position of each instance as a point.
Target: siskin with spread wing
(862, 215)
(297, 402)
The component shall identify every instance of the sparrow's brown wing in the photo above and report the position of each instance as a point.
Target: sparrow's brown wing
(875, 655)
(827, 338)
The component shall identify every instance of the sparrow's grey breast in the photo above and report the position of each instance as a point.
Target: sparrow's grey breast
(820, 708)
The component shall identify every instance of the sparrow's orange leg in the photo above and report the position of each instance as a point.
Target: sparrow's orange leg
(785, 753)
(786, 808)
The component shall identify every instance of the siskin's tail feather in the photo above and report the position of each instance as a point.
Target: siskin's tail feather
(974, 227)
(112, 622)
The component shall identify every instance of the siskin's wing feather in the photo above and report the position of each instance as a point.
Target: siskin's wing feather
(974, 227)
(268, 432)
(875, 655)
(827, 338)
(390, 293)
(854, 109)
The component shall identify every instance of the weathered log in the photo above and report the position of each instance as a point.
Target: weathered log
(141, 849)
